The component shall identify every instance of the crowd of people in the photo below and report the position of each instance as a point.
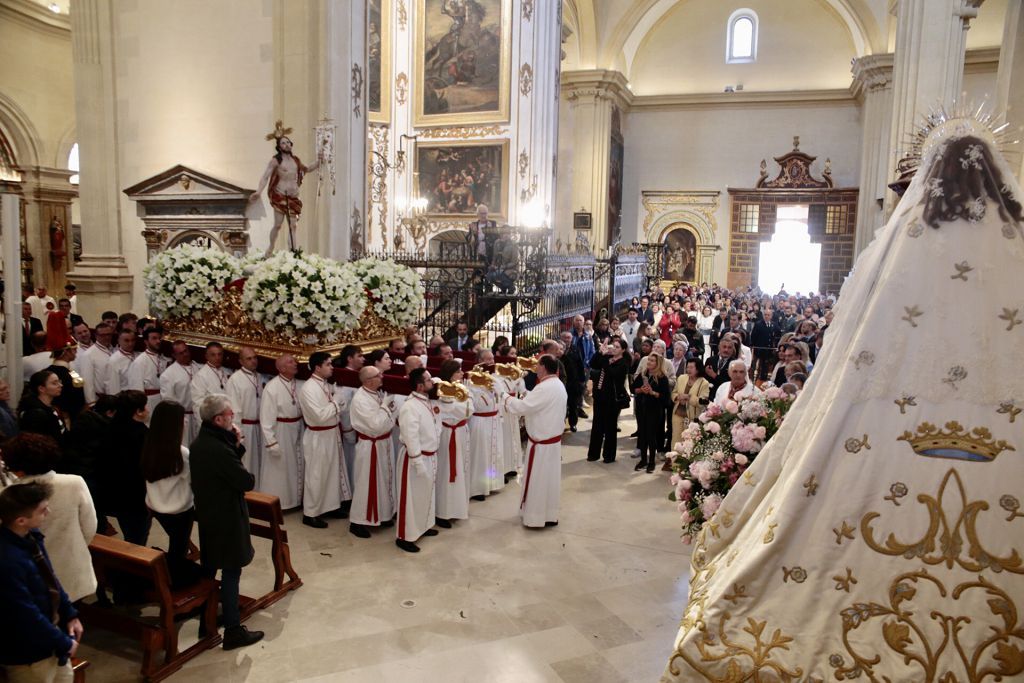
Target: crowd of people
(111, 430)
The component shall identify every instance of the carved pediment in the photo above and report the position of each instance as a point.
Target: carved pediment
(795, 171)
(183, 183)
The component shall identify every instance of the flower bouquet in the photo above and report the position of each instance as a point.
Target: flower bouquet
(717, 448)
(304, 294)
(395, 290)
(185, 280)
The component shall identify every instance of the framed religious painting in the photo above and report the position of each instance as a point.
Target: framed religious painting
(378, 61)
(462, 62)
(456, 177)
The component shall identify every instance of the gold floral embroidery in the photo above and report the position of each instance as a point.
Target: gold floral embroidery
(896, 491)
(769, 535)
(845, 531)
(748, 478)
(913, 312)
(909, 632)
(811, 485)
(863, 358)
(904, 402)
(1011, 505)
(853, 445)
(943, 542)
(957, 374)
(753, 660)
(1009, 408)
(739, 592)
(727, 518)
(962, 269)
(843, 583)
(1010, 316)
(798, 574)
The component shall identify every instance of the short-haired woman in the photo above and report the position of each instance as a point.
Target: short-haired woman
(71, 524)
(164, 464)
(651, 389)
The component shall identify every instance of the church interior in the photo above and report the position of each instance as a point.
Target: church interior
(704, 150)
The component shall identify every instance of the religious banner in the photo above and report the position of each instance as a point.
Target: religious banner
(378, 62)
(462, 58)
(456, 177)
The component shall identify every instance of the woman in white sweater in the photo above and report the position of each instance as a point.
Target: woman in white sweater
(169, 486)
(71, 524)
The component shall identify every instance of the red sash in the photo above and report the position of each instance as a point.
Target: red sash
(151, 392)
(322, 429)
(289, 419)
(405, 490)
(250, 422)
(452, 449)
(529, 467)
(371, 500)
(491, 414)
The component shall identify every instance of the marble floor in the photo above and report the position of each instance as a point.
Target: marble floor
(596, 599)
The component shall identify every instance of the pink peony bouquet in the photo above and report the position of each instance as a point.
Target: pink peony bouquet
(717, 448)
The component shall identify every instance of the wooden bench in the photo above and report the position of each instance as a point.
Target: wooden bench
(111, 557)
(267, 521)
(78, 667)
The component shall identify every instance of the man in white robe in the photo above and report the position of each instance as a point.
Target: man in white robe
(325, 483)
(509, 383)
(93, 363)
(351, 358)
(281, 424)
(452, 486)
(544, 409)
(420, 439)
(83, 336)
(245, 389)
(116, 371)
(145, 371)
(176, 385)
(739, 385)
(211, 378)
(373, 502)
(486, 451)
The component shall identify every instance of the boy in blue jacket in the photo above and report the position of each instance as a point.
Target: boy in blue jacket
(39, 627)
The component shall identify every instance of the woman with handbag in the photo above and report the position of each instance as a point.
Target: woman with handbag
(652, 397)
(609, 367)
(689, 397)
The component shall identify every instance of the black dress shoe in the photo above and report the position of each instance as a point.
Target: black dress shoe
(650, 468)
(314, 522)
(550, 523)
(634, 435)
(407, 546)
(607, 462)
(583, 416)
(388, 524)
(478, 497)
(589, 459)
(572, 428)
(359, 530)
(431, 532)
(639, 466)
(340, 513)
(443, 523)
(240, 636)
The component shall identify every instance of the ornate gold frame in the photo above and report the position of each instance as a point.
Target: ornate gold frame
(501, 115)
(384, 115)
(466, 143)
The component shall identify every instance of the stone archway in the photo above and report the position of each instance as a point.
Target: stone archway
(681, 263)
(666, 211)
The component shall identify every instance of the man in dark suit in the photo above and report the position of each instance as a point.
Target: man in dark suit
(219, 483)
(29, 325)
(461, 336)
(763, 340)
(64, 305)
(645, 314)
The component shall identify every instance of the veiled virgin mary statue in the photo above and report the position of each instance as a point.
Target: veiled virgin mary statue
(880, 534)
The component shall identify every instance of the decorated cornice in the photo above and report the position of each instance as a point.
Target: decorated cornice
(34, 15)
(981, 60)
(776, 98)
(597, 84)
(871, 73)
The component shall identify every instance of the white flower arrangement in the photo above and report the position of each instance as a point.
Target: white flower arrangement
(301, 293)
(396, 290)
(185, 280)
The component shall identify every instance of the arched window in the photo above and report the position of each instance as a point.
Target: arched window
(73, 163)
(741, 39)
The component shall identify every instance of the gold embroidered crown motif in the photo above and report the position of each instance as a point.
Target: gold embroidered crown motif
(955, 442)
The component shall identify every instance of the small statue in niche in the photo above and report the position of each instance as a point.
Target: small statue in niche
(283, 178)
(58, 243)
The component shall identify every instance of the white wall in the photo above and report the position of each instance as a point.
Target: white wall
(713, 149)
(195, 86)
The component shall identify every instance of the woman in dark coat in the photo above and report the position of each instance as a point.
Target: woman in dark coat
(652, 393)
(37, 411)
(609, 368)
(121, 480)
(219, 483)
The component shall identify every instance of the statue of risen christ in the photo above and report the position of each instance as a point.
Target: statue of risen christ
(284, 174)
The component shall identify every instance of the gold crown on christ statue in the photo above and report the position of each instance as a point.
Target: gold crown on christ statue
(955, 442)
(279, 131)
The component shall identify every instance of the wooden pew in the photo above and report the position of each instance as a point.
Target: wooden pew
(78, 667)
(112, 556)
(267, 521)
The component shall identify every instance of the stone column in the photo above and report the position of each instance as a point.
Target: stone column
(1010, 80)
(590, 95)
(872, 85)
(102, 275)
(928, 66)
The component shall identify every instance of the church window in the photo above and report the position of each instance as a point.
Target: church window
(741, 39)
(73, 164)
(749, 214)
(836, 222)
